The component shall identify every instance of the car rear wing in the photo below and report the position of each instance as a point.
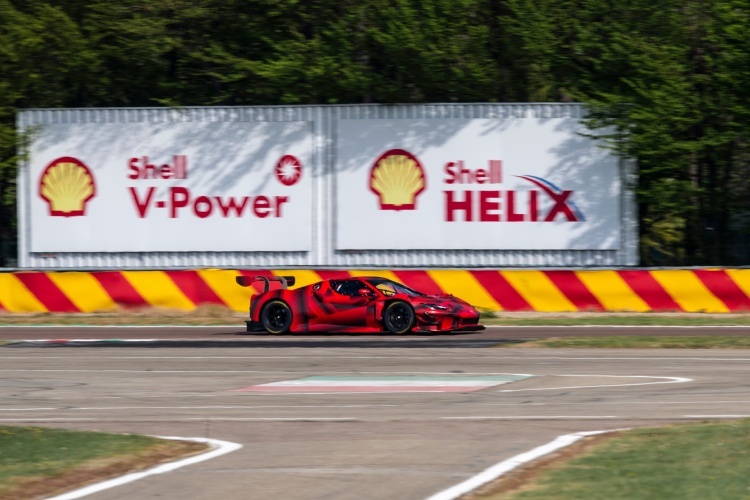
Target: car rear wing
(286, 281)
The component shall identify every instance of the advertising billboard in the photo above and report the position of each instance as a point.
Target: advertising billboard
(170, 187)
(485, 184)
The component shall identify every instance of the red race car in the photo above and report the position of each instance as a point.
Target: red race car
(358, 305)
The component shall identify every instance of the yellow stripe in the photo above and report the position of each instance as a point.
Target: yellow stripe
(158, 290)
(83, 290)
(612, 291)
(741, 278)
(15, 297)
(224, 285)
(689, 291)
(465, 286)
(539, 291)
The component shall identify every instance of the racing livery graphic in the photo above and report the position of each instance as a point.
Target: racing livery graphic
(358, 305)
(67, 185)
(397, 178)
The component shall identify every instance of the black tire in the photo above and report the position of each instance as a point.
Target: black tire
(276, 317)
(399, 318)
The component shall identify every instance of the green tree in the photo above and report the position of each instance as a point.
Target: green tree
(669, 79)
(42, 54)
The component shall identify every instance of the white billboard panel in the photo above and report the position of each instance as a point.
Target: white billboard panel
(497, 184)
(171, 187)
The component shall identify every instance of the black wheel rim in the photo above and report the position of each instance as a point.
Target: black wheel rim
(399, 317)
(277, 317)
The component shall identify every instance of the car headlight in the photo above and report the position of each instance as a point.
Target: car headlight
(436, 307)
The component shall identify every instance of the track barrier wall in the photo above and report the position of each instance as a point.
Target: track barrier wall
(694, 290)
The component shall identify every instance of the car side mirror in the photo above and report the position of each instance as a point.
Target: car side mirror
(365, 292)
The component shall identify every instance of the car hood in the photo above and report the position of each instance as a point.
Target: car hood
(442, 299)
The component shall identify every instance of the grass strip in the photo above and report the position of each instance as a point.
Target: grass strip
(37, 462)
(640, 342)
(686, 462)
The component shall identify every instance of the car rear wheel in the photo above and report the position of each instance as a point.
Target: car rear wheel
(276, 317)
(399, 318)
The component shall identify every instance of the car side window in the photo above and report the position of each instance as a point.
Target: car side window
(347, 287)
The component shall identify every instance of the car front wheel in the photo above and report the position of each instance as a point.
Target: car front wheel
(276, 317)
(399, 318)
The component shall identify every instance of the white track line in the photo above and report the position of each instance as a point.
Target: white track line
(220, 448)
(670, 380)
(506, 466)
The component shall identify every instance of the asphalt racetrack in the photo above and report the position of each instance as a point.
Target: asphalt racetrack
(353, 417)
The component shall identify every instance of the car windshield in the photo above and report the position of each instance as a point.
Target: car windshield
(389, 287)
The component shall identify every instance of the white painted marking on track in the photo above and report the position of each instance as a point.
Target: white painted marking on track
(671, 380)
(506, 466)
(220, 448)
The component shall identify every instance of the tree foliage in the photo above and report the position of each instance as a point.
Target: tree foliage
(666, 82)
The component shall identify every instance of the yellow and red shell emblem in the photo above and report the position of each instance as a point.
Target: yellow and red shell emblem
(67, 185)
(397, 178)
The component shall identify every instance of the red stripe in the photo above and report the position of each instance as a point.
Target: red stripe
(502, 291)
(194, 288)
(648, 289)
(573, 288)
(119, 289)
(420, 281)
(721, 285)
(42, 287)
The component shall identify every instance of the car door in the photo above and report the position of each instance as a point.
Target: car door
(347, 306)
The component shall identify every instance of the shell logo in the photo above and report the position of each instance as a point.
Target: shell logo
(397, 178)
(67, 185)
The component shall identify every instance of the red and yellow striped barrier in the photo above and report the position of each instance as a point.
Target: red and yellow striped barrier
(701, 290)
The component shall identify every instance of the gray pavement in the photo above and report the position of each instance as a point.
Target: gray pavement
(359, 445)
